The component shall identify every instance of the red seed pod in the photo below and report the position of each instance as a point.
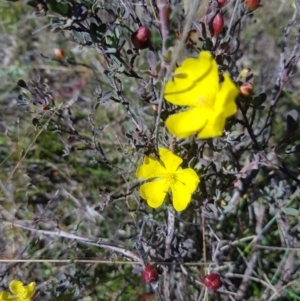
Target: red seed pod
(252, 4)
(221, 3)
(149, 274)
(141, 38)
(217, 25)
(212, 281)
(246, 89)
(59, 54)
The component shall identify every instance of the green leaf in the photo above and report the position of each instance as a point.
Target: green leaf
(68, 24)
(291, 211)
(110, 50)
(97, 32)
(96, 105)
(59, 7)
(106, 95)
(117, 33)
(259, 100)
(70, 296)
(95, 7)
(293, 295)
(109, 73)
(121, 68)
(208, 44)
(109, 40)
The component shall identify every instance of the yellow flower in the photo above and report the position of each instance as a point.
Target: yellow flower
(167, 174)
(196, 85)
(20, 291)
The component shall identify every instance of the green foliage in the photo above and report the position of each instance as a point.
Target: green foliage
(80, 110)
(61, 8)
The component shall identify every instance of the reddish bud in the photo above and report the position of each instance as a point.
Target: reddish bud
(59, 54)
(44, 107)
(155, 108)
(149, 274)
(212, 281)
(217, 25)
(245, 72)
(221, 3)
(246, 89)
(252, 4)
(141, 38)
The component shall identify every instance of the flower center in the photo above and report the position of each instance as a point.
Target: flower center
(170, 177)
(206, 101)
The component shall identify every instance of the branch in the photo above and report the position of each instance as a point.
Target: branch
(80, 239)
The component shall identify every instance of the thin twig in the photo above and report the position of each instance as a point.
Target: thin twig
(237, 3)
(163, 7)
(282, 289)
(170, 234)
(100, 261)
(168, 241)
(233, 275)
(88, 241)
(28, 148)
(260, 213)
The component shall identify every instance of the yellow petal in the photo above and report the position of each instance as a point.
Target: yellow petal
(226, 97)
(213, 128)
(151, 168)
(198, 68)
(29, 291)
(181, 196)
(202, 94)
(17, 287)
(154, 192)
(185, 124)
(192, 71)
(197, 78)
(170, 160)
(23, 293)
(4, 296)
(189, 178)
